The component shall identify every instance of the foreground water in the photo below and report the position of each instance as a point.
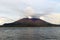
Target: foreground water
(30, 33)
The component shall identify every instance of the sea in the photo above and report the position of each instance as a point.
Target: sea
(29, 33)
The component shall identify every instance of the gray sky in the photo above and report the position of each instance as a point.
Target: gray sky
(15, 9)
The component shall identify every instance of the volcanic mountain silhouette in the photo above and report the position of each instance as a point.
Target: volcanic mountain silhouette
(26, 22)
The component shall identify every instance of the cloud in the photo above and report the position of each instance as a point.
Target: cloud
(28, 11)
(5, 20)
(33, 2)
(52, 18)
(40, 5)
(9, 1)
(36, 2)
(28, 2)
(10, 7)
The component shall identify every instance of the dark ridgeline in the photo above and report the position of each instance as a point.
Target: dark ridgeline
(26, 22)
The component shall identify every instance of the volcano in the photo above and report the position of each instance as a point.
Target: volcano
(26, 22)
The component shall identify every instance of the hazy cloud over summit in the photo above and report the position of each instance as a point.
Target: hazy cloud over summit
(12, 8)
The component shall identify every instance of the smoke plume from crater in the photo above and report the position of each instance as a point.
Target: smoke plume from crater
(29, 11)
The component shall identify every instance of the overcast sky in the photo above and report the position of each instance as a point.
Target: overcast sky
(14, 9)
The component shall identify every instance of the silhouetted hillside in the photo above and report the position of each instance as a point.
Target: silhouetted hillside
(26, 22)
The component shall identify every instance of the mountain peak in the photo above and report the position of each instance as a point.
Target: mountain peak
(33, 22)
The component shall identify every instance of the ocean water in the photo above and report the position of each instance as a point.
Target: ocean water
(29, 33)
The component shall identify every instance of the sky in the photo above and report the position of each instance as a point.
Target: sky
(40, 5)
(17, 9)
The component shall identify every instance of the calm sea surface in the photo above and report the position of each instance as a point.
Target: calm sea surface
(29, 33)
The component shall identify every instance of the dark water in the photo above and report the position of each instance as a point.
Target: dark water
(30, 33)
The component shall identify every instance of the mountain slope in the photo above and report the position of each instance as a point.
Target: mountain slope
(26, 22)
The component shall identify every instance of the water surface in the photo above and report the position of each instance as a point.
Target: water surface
(30, 33)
